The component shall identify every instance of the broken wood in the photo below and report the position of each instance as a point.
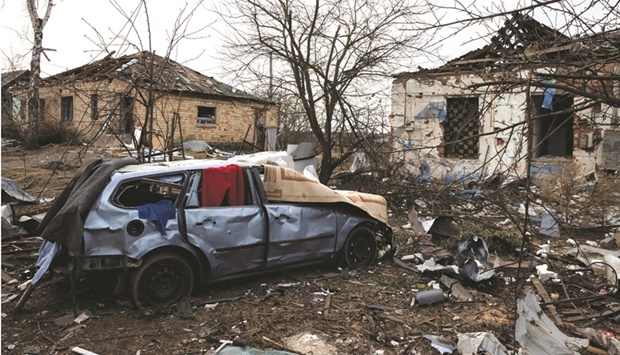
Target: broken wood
(277, 344)
(20, 251)
(24, 298)
(545, 296)
(404, 265)
(592, 350)
(456, 288)
(6, 277)
(218, 300)
(590, 316)
(328, 301)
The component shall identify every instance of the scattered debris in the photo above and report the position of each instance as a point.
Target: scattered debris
(549, 225)
(309, 344)
(481, 342)
(428, 297)
(196, 146)
(436, 343)
(537, 334)
(11, 192)
(455, 288)
(78, 350)
(9, 229)
(184, 308)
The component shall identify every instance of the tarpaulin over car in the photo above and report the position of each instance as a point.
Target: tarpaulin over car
(288, 185)
(64, 222)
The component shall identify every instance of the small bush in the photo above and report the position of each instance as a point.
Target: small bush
(53, 132)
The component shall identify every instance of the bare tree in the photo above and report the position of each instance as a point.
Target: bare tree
(38, 23)
(150, 81)
(330, 55)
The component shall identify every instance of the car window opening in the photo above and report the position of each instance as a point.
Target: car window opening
(149, 190)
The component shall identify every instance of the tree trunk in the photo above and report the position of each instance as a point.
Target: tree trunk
(32, 109)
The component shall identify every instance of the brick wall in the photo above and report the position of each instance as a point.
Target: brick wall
(233, 117)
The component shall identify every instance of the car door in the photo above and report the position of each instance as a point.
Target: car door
(300, 232)
(232, 237)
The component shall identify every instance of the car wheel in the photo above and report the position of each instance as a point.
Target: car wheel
(161, 280)
(360, 248)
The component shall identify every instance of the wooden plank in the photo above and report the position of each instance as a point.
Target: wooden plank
(6, 277)
(545, 296)
(456, 288)
(589, 315)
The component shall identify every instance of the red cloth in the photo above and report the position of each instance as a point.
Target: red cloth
(223, 184)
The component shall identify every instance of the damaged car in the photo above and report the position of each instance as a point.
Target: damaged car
(168, 226)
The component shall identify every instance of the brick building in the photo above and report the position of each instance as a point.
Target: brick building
(166, 100)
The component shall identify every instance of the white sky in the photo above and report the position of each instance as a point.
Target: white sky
(68, 32)
(68, 29)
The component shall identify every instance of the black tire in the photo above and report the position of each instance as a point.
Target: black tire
(360, 248)
(161, 280)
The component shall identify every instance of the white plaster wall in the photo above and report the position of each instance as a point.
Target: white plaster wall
(419, 139)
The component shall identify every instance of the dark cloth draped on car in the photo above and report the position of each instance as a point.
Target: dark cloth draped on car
(222, 186)
(64, 222)
(159, 212)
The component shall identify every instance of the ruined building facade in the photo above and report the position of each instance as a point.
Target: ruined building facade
(115, 98)
(471, 118)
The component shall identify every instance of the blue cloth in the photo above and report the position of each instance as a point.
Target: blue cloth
(159, 212)
(47, 252)
(548, 98)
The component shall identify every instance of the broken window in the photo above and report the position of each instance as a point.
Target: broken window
(260, 119)
(66, 108)
(94, 107)
(127, 103)
(461, 128)
(17, 108)
(42, 108)
(151, 189)
(206, 115)
(553, 128)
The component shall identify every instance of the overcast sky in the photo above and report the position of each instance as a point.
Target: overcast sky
(70, 34)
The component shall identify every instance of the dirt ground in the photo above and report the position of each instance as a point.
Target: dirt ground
(354, 312)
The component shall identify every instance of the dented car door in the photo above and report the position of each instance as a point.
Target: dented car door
(300, 232)
(233, 237)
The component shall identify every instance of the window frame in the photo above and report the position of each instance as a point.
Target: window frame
(66, 112)
(94, 107)
(206, 120)
(146, 178)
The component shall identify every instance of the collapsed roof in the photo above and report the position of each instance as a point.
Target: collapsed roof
(149, 70)
(10, 78)
(523, 40)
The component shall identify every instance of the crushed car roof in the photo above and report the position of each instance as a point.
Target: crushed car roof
(162, 167)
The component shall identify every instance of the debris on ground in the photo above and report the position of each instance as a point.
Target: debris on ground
(570, 305)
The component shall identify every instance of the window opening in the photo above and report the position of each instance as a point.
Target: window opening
(94, 106)
(206, 115)
(66, 108)
(553, 131)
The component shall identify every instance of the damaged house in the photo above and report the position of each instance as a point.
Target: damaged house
(468, 119)
(147, 95)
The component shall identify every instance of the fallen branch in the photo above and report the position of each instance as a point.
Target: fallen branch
(277, 344)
